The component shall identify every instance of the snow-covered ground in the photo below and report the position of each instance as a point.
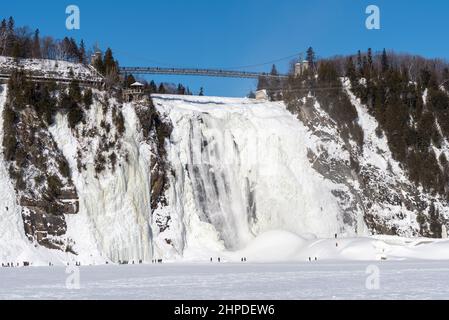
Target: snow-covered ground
(47, 68)
(291, 281)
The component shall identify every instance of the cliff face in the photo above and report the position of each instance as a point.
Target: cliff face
(111, 161)
(85, 177)
(82, 175)
(356, 153)
(39, 173)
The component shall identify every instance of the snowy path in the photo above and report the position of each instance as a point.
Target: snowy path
(330, 280)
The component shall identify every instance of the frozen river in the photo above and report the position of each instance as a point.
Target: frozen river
(315, 280)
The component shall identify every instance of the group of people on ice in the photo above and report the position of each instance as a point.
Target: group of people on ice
(244, 259)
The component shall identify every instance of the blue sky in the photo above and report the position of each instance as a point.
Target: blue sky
(233, 33)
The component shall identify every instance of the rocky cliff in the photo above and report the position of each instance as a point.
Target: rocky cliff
(86, 177)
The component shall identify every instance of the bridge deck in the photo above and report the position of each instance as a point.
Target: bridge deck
(199, 72)
(156, 70)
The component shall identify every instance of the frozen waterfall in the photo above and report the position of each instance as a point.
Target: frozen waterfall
(240, 168)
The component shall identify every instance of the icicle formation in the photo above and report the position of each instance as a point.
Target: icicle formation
(240, 169)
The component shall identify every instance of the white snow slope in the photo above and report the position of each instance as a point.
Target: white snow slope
(49, 68)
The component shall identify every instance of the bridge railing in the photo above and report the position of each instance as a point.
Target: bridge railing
(199, 72)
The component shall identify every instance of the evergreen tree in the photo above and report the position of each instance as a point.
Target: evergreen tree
(446, 78)
(11, 24)
(74, 50)
(71, 103)
(425, 77)
(370, 58)
(19, 89)
(327, 74)
(435, 222)
(108, 61)
(110, 66)
(153, 87)
(3, 36)
(201, 92)
(129, 80)
(262, 83)
(45, 104)
(3, 27)
(365, 67)
(69, 50)
(274, 85)
(360, 63)
(82, 52)
(36, 45)
(350, 71)
(395, 123)
(88, 98)
(180, 90)
(10, 46)
(16, 52)
(433, 81)
(384, 61)
(75, 91)
(99, 66)
(379, 103)
(311, 58)
(75, 115)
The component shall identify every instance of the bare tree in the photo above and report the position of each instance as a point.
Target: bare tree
(49, 48)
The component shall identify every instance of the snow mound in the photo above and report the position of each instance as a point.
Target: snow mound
(282, 246)
(272, 246)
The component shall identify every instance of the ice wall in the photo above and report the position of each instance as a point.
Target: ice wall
(13, 242)
(240, 168)
(113, 222)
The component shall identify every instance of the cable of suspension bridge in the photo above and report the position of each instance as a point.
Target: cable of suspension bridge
(297, 55)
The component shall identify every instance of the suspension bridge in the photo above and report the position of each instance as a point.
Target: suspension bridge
(98, 80)
(221, 73)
